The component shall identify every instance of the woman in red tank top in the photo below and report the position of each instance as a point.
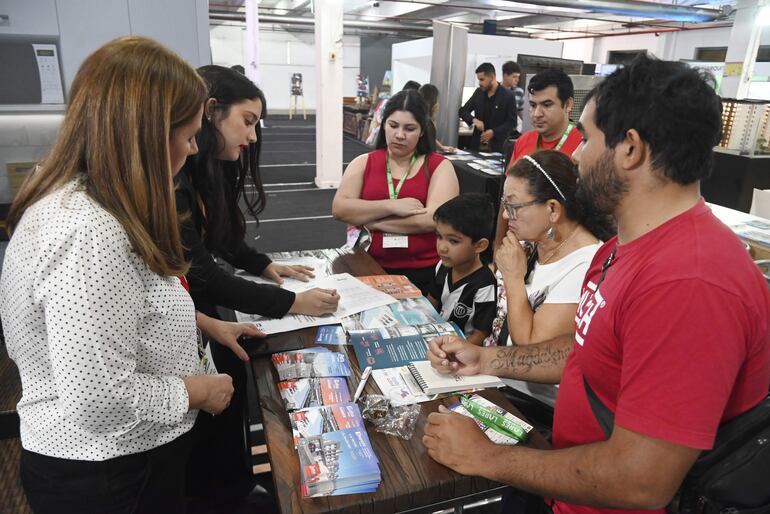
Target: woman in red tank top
(394, 190)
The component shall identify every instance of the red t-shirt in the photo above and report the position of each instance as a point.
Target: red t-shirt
(527, 144)
(675, 342)
(422, 247)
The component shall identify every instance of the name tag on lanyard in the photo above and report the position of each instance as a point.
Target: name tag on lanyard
(389, 239)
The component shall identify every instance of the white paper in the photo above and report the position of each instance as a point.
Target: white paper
(394, 384)
(355, 296)
(292, 284)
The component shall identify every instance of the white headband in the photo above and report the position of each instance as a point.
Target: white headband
(537, 165)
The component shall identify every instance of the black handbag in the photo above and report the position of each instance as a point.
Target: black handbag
(731, 478)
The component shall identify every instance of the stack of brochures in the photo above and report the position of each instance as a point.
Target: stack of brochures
(336, 456)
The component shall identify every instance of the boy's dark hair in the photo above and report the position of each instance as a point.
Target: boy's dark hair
(564, 87)
(411, 84)
(471, 214)
(410, 100)
(673, 107)
(486, 68)
(510, 67)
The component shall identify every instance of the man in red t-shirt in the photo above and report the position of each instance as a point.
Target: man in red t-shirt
(550, 101)
(672, 330)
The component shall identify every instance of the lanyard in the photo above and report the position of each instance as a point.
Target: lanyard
(493, 420)
(561, 142)
(394, 193)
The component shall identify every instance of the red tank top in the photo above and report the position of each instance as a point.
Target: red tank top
(422, 247)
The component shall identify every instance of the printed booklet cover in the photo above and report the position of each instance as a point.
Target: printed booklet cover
(303, 393)
(397, 345)
(341, 462)
(397, 286)
(322, 420)
(407, 311)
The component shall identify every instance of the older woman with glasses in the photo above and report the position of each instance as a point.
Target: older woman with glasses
(541, 263)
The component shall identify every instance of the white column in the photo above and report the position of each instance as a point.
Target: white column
(742, 49)
(447, 73)
(328, 113)
(252, 40)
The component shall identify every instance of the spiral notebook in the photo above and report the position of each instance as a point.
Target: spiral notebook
(431, 382)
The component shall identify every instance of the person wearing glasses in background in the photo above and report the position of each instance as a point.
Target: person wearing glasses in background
(539, 286)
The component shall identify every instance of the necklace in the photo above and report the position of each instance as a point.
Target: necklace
(553, 253)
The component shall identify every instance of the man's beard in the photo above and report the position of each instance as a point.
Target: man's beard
(600, 190)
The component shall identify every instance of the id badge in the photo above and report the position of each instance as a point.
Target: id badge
(390, 240)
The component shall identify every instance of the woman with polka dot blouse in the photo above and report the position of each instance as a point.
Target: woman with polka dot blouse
(95, 316)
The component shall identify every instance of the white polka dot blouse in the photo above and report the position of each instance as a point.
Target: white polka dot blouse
(101, 342)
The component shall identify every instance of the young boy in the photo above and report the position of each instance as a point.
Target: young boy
(464, 289)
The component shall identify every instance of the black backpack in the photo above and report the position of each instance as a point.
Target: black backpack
(731, 478)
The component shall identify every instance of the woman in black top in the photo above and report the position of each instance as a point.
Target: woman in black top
(209, 188)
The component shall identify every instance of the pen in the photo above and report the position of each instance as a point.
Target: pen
(362, 383)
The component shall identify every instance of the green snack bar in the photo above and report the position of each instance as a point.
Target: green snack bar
(493, 420)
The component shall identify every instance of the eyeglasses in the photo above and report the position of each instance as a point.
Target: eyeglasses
(510, 208)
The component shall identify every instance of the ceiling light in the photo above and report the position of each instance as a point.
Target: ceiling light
(763, 16)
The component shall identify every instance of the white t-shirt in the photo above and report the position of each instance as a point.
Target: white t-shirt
(101, 342)
(556, 282)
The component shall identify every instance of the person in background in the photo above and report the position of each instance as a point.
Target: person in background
(551, 96)
(550, 102)
(511, 76)
(429, 93)
(464, 290)
(539, 289)
(95, 315)
(411, 84)
(671, 335)
(394, 191)
(209, 189)
(491, 111)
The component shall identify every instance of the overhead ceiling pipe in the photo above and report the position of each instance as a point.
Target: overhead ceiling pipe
(637, 32)
(636, 9)
(298, 20)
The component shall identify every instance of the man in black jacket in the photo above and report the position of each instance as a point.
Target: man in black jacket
(493, 111)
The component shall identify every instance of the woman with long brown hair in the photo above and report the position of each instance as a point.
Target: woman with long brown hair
(95, 316)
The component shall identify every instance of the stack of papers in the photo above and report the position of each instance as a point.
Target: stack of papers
(355, 296)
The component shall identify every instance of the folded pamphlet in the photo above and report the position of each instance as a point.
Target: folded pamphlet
(321, 420)
(311, 363)
(302, 393)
